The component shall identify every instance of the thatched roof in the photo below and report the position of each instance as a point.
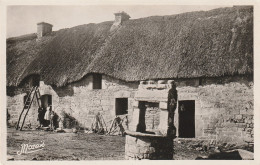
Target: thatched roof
(196, 44)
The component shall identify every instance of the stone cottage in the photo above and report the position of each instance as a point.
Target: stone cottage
(105, 67)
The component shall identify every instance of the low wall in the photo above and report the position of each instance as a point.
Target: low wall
(224, 112)
(148, 147)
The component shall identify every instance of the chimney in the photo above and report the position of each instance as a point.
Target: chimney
(43, 29)
(120, 17)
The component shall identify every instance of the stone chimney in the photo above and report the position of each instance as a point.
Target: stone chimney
(43, 29)
(120, 17)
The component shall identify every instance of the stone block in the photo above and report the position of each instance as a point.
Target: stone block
(130, 154)
(96, 102)
(162, 82)
(135, 104)
(143, 142)
(163, 105)
(163, 126)
(234, 112)
(249, 121)
(230, 125)
(162, 86)
(107, 108)
(250, 112)
(144, 150)
(240, 125)
(131, 140)
(146, 156)
(105, 102)
(243, 111)
(151, 150)
(140, 156)
(135, 119)
(133, 149)
(239, 117)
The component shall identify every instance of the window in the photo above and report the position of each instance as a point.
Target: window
(121, 106)
(97, 81)
(187, 119)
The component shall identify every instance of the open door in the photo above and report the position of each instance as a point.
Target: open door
(45, 100)
(187, 119)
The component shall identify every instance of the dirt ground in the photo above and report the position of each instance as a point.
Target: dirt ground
(65, 146)
(81, 146)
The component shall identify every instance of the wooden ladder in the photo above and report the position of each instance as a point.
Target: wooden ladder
(34, 92)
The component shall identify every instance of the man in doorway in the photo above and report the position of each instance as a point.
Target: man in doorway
(41, 113)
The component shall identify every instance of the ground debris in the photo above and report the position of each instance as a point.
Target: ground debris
(237, 154)
(9, 157)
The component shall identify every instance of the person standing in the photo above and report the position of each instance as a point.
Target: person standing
(51, 119)
(41, 116)
(172, 104)
(47, 114)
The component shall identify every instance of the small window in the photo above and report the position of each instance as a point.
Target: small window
(121, 106)
(97, 81)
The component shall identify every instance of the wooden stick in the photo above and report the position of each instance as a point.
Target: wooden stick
(111, 126)
(104, 122)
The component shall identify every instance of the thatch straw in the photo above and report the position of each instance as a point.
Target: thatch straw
(196, 44)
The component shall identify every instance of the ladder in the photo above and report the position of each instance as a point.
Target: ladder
(34, 92)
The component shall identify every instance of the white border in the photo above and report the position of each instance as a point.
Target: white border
(5, 3)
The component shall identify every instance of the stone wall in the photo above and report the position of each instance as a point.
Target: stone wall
(152, 117)
(223, 111)
(147, 147)
(224, 107)
(78, 100)
(15, 101)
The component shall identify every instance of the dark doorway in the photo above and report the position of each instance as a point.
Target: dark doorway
(121, 106)
(46, 100)
(187, 119)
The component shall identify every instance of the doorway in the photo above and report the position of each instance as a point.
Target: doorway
(186, 119)
(46, 100)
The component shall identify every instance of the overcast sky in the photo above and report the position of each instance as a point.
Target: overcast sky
(23, 19)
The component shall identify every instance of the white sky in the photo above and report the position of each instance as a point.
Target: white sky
(23, 19)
